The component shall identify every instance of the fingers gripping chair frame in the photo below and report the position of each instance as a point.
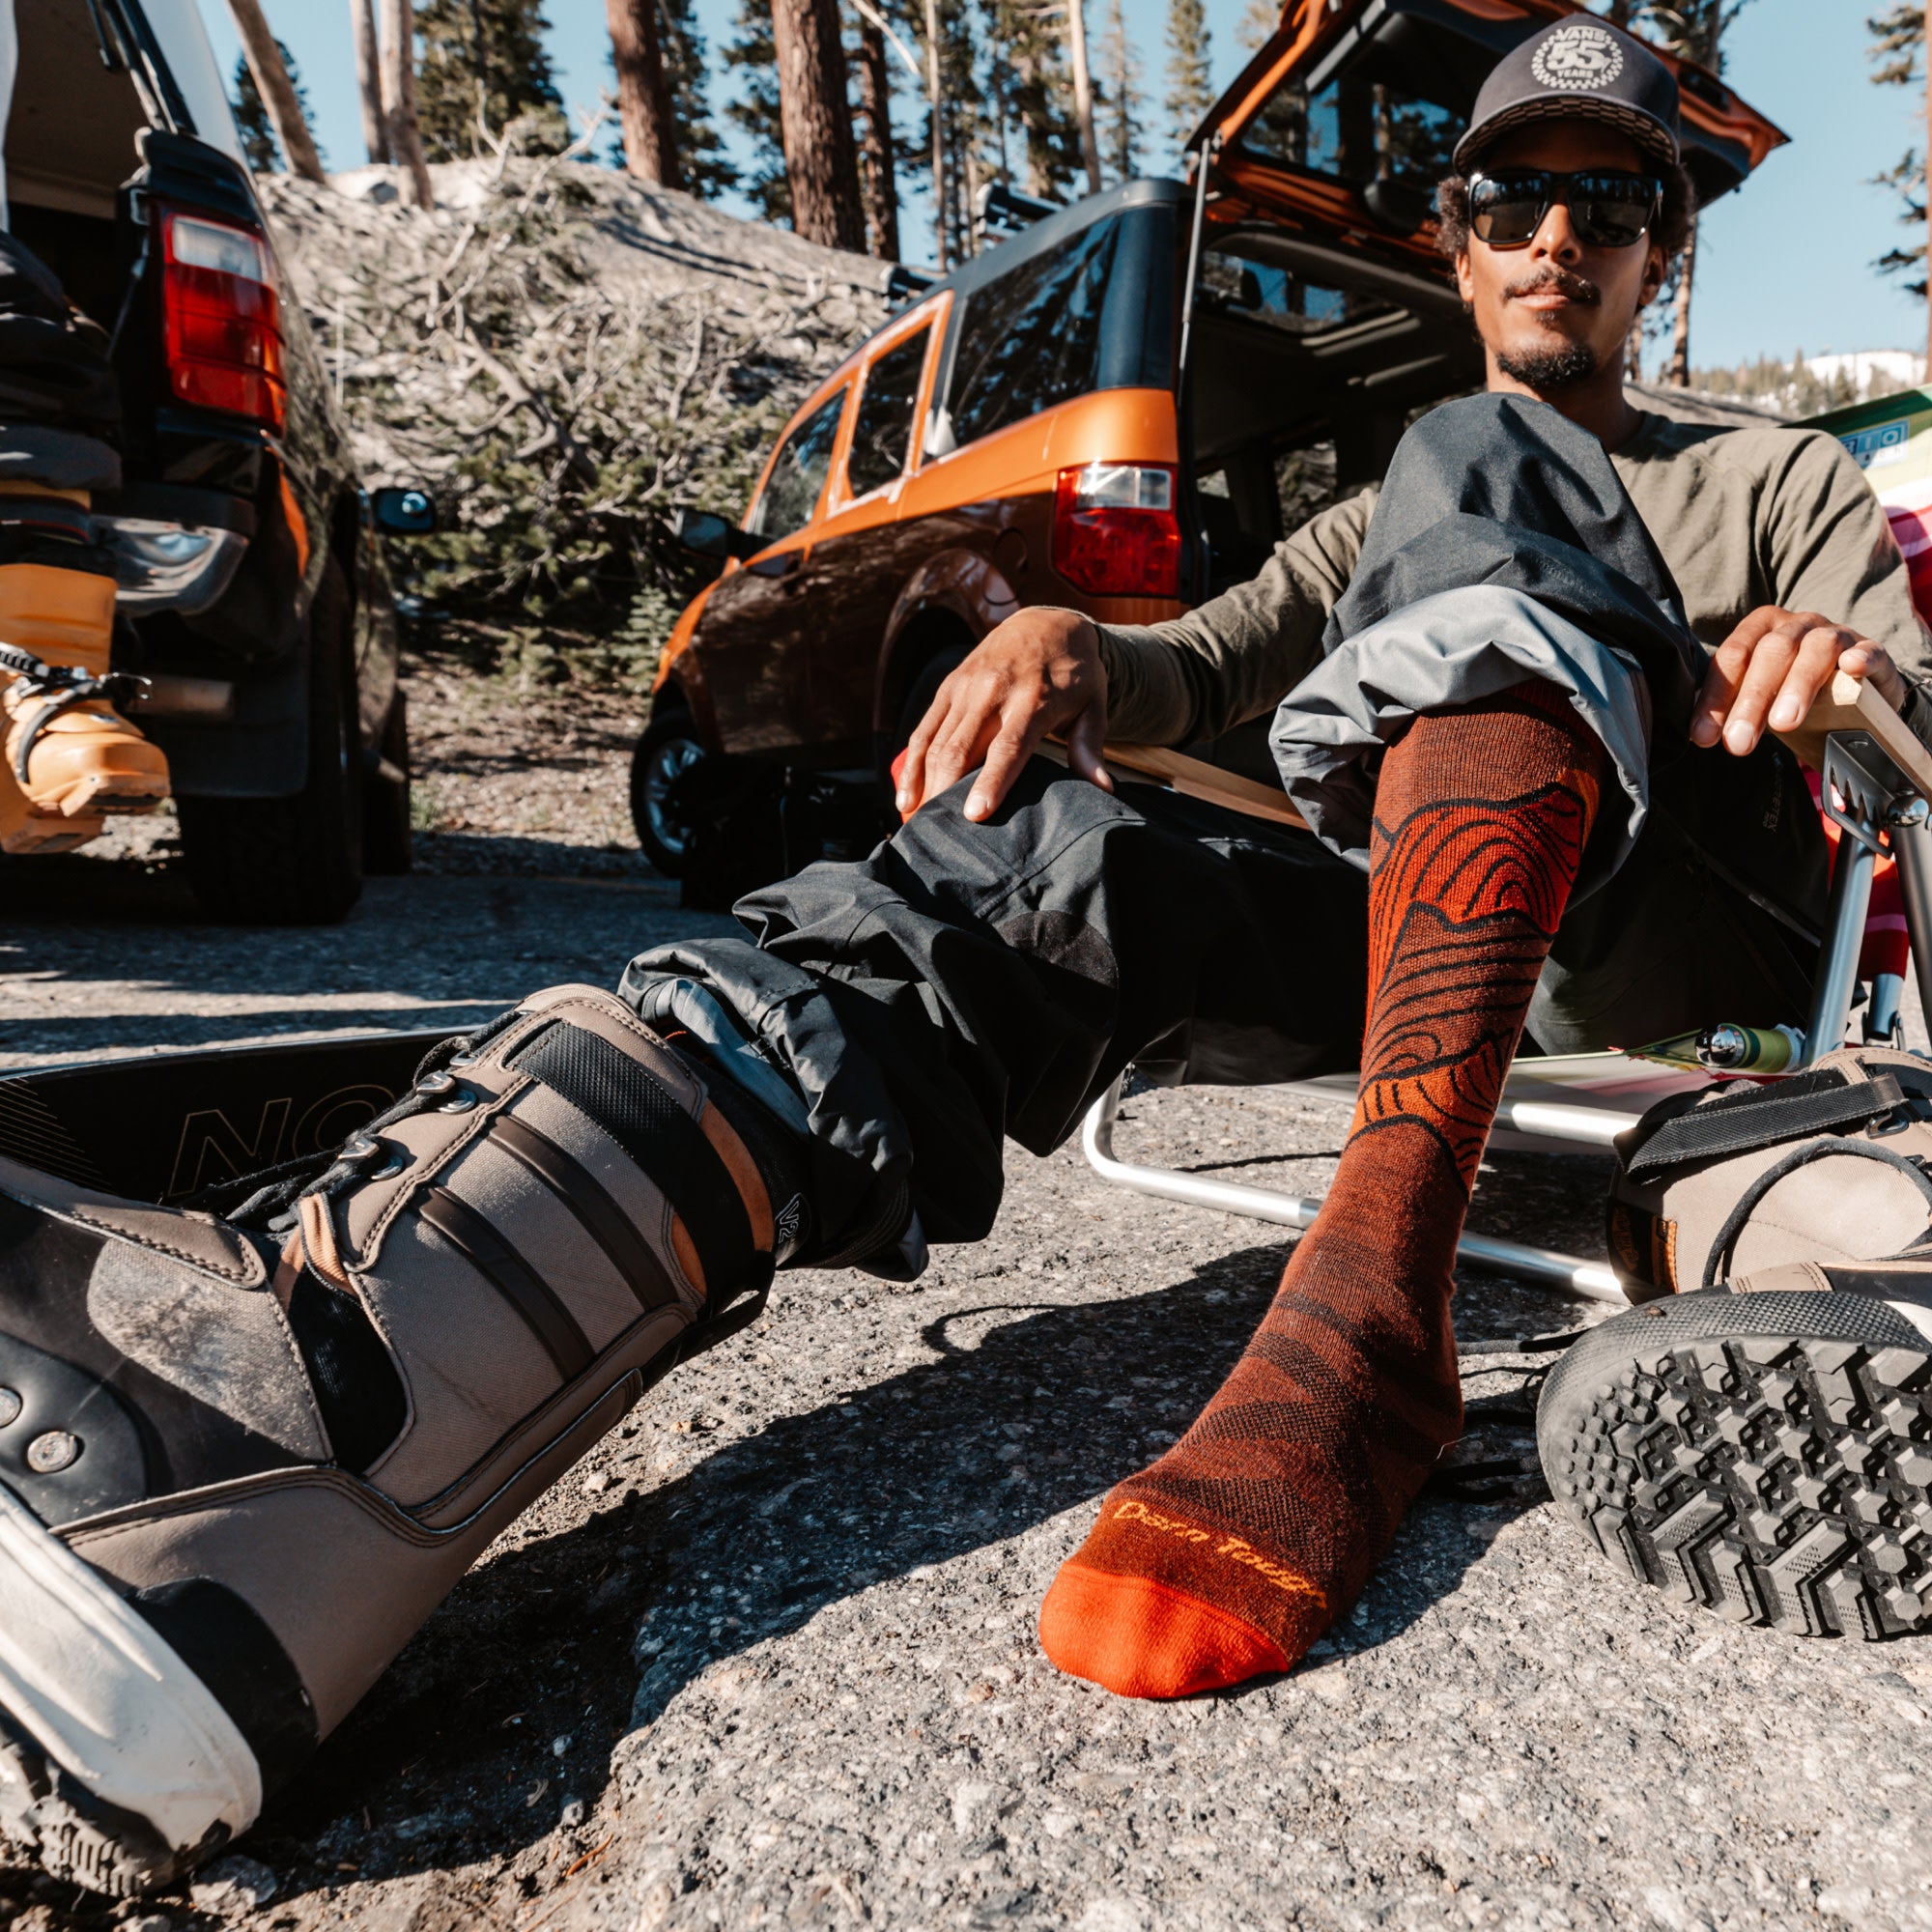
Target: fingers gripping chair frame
(1877, 785)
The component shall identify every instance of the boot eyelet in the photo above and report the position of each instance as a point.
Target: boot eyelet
(461, 1101)
(434, 1084)
(49, 1454)
(358, 1147)
(396, 1163)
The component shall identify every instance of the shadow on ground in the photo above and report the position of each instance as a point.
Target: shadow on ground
(455, 1757)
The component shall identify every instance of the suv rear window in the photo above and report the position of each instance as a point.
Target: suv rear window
(882, 431)
(1092, 312)
(1358, 130)
(798, 474)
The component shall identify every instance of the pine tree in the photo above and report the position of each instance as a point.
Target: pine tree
(1028, 52)
(706, 169)
(647, 127)
(259, 145)
(815, 120)
(1121, 103)
(878, 156)
(1190, 88)
(485, 58)
(1897, 52)
(751, 53)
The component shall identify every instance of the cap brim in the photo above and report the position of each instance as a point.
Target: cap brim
(1656, 140)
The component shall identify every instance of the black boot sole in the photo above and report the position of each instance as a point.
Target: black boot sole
(1765, 1456)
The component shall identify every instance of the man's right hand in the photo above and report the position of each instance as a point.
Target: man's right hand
(1038, 673)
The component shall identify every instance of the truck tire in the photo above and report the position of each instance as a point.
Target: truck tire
(292, 860)
(387, 844)
(666, 751)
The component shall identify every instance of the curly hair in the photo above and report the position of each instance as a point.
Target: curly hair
(1672, 230)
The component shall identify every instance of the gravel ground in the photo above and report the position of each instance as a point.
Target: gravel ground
(766, 1658)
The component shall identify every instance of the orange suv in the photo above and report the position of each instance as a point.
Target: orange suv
(1121, 410)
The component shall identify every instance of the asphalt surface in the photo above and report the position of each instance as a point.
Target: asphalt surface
(767, 1658)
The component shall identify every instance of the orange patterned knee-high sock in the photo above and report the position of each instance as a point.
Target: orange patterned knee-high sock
(1231, 1555)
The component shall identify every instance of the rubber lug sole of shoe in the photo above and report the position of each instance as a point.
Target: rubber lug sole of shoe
(104, 791)
(118, 1769)
(1765, 1456)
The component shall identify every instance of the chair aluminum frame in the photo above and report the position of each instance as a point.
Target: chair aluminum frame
(1878, 802)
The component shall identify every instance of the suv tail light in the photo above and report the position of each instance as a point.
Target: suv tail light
(1116, 531)
(223, 319)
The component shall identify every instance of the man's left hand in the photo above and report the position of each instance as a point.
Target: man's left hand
(1771, 669)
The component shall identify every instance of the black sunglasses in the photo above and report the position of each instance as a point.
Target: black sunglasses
(1610, 208)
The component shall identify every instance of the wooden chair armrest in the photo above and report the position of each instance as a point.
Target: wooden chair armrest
(1193, 779)
(1852, 704)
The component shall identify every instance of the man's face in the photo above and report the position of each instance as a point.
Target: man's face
(1553, 313)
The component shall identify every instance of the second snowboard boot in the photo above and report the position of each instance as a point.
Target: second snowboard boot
(243, 1458)
(69, 755)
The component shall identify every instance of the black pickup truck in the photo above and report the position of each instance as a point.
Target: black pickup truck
(252, 594)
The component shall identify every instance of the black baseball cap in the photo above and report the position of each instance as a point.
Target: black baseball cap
(1578, 69)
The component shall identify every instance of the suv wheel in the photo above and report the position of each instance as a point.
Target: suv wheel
(292, 860)
(667, 751)
(387, 849)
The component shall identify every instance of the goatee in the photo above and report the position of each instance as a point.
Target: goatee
(1546, 369)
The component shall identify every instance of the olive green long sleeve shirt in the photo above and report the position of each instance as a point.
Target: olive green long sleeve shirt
(1744, 515)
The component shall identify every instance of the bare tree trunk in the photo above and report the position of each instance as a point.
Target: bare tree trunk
(643, 93)
(399, 100)
(1083, 92)
(1634, 351)
(935, 102)
(277, 91)
(1678, 376)
(815, 122)
(878, 179)
(369, 78)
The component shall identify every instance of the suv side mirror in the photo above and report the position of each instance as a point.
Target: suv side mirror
(408, 511)
(706, 533)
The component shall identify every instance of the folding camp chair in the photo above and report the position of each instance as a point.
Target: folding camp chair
(1875, 788)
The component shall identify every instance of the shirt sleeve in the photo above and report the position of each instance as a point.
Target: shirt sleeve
(1239, 654)
(1829, 549)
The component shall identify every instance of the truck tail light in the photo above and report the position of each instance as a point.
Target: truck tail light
(223, 319)
(1116, 531)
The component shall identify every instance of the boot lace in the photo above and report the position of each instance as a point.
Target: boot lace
(269, 1200)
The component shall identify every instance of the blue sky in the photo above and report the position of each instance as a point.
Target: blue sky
(1784, 264)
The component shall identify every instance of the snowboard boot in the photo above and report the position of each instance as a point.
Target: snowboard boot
(69, 755)
(1765, 1450)
(243, 1456)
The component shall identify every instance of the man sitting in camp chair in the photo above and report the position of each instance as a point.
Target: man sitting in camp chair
(1523, 700)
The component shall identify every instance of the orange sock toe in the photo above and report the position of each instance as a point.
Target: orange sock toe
(1140, 1638)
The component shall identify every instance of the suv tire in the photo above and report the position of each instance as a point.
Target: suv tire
(292, 860)
(666, 750)
(387, 844)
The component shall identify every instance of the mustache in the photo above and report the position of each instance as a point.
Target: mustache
(1577, 288)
